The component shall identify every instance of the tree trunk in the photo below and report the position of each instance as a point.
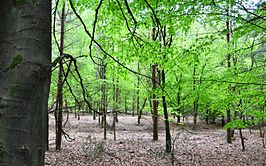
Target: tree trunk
(59, 101)
(25, 53)
(178, 110)
(138, 108)
(166, 120)
(138, 90)
(104, 97)
(223, 121)
(195, 114)
(94, 113)
(155, 103)
(116, 99)
(195, 103)
(114, 107)
(67, 110)
(79, 108)
(242, 139)
(228, 111)
(97, 102)
(133, 104)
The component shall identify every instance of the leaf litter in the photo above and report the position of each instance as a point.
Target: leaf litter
(134, 145)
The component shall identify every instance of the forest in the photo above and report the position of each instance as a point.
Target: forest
(132, 82)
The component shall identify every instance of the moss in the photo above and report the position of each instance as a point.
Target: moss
(1, 151)
(16, 61)
(20, 2)
(13, 90)
(3, 105)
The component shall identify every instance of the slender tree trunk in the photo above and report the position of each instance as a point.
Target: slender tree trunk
(155, 81)
(79, 108)
(228, 111)
(166, 120)
(97, 102)
(99, 115)
(138, 90)
(242, 139)
(155, 103)
(195, 114)
(104, 97)
(25, 58)
(195, 103)
(94, 113)
(261, 123)
(178, 110)
(138, 109)
(116, 99)
(114, 107)
(223, 121)
(67, 110)
(59, 102)
(133, 104)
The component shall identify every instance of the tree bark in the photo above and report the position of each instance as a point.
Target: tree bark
(114, 107)
(242, 139)
(59, 101)
(96, 102)
(138, 90)
(166, 120)
(178, 110)
(155, 103)
(104, 97)
(195, 103)
(25, 53)
(133, 104)
(116, 99)
(228, 111)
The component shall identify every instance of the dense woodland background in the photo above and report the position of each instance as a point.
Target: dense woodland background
(197, 60)
(146, 77)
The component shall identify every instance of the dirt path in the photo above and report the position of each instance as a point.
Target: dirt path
(134, 146)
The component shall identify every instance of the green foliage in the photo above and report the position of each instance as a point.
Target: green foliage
(236, 124)
(16, 61)
(13, 89)
(20, 3)
(198, 44)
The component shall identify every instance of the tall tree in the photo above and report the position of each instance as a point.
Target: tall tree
(104, 95)
(228, 37)
(138, 107)
(154, 103)
(25, 53)
(166, 44)
(59, 98)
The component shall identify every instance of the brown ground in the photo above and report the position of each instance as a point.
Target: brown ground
(134, 145)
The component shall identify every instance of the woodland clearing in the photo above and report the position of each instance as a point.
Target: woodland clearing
(134, 145)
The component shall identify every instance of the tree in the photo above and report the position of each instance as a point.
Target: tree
(154, 103)
(199, 49)
(59, 97)
(25, 52)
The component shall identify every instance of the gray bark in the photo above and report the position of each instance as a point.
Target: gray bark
(25, 55)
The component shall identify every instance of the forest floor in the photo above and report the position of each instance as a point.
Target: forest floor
(134, 145)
